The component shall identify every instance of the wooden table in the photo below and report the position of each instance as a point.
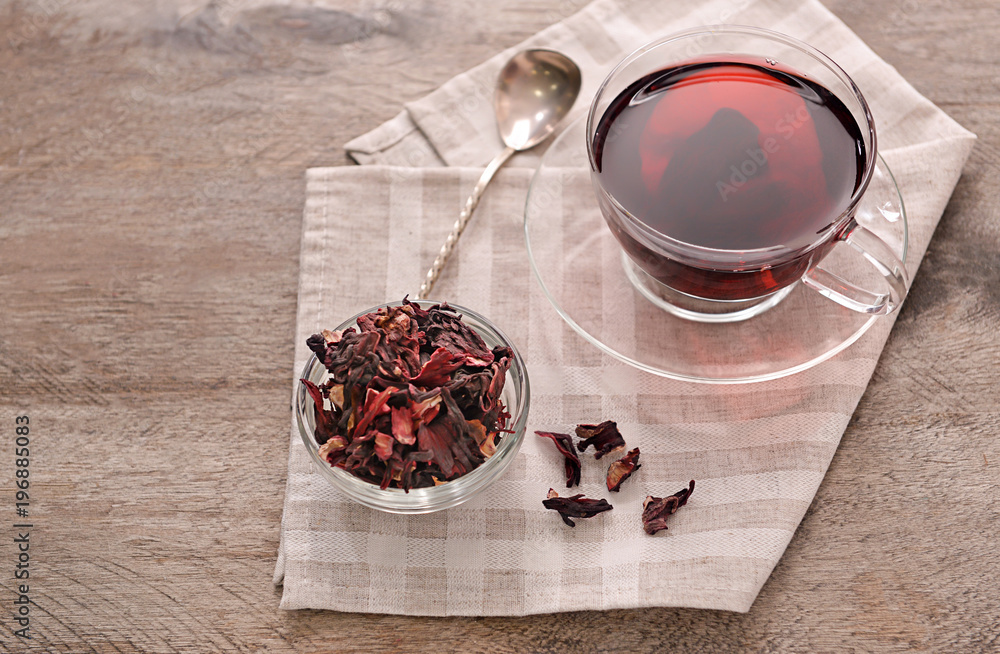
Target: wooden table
(151, 176)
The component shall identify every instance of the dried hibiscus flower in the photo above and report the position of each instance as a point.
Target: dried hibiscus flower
(576, 506)
(605, 438)
(564, 443)
(414, 396)
(656, 510)
(622, 469)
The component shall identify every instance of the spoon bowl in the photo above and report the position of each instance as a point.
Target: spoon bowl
(536, 90)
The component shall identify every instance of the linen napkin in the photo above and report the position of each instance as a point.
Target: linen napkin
(758, 451)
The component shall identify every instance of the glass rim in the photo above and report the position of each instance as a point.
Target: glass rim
(835, 226)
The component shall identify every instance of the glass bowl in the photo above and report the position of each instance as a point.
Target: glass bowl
(515, 397)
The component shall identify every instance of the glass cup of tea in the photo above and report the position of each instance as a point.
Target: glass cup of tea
(728, 161)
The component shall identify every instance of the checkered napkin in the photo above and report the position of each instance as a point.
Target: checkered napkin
(757, 451)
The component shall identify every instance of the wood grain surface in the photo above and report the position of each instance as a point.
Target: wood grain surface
(152, 162)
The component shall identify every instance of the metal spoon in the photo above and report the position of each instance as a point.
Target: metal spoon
(535, 91)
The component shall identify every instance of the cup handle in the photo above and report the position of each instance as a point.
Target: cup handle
(847, 294)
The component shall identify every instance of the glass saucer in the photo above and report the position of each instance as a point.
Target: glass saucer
(580, 267)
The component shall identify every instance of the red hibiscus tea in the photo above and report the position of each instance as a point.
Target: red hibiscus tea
(726, 179)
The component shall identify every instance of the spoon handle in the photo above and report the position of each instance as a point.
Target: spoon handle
(463, 220)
